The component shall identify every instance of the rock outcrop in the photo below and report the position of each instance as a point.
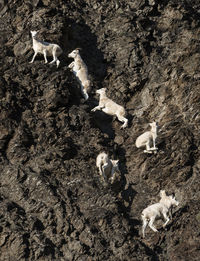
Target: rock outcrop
(53, 204)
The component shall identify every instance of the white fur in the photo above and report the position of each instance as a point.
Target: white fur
(80, 70)
(110, 107)
(107, 167)
(150, 213)
(45, 48)
(146, 138)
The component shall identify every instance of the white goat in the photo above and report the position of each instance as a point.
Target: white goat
(150, 213)
(45, 48)
(146, 138)
(80, 70)
(107, 167)
(110, 107)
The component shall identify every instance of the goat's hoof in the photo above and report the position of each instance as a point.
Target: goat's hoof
(147, 151)
(154, 149)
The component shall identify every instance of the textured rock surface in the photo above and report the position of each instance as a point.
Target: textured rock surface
(53, 205)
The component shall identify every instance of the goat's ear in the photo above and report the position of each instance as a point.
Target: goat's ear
(79, 49)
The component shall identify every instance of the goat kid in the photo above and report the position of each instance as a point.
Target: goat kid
(107, 167)
(146, 138)
(80, 70)
(154, 211)
(45, 48)
(110, 107)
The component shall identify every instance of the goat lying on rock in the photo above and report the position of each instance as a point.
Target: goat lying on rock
(80, 70)
(150, 213)
(46, 49)
(107, 167)
(146, 138)
(110, 107)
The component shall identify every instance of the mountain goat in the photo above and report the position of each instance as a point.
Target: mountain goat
(107, 167)
(45, 48)
(146, 138)
(150, 213)
(80, 70)
(110, 107)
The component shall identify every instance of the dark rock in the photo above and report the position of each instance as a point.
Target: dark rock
(53, 204)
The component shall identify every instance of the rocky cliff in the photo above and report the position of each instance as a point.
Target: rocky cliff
(53, 204)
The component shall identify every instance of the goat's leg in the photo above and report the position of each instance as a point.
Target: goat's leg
(154, 145)
(33, 57)
(148, 150)
(71, 65)
(54, 58)
(113, 174)
(151, 224)
(105, 165)
(99, 107)
(84, 93)
(166, 218)
(145, 222)
(57, 62)
(100, 171)
(45, 56)
(170, 213)
(123, 119)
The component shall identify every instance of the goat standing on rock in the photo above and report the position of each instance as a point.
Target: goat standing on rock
(150, 213)
(107, 167)
(46, 49)
(110, 107)
(80, 70)
(146, 138)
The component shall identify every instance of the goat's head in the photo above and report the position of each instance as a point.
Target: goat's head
(34, 33)
(102, 90)
(162, 193)
(153, 125)
(173, 201)
(74, 53)
(115, 164)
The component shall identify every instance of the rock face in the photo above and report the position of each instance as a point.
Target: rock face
(53, 204)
